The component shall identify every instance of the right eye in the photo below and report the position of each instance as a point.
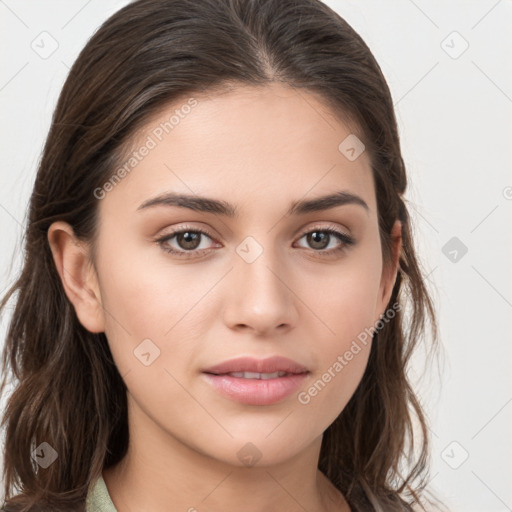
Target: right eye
(187, 242)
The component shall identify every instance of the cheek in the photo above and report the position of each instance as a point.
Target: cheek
(139, 302)
(341, 352)
(345, 304)
(345, 298)
(143, 292)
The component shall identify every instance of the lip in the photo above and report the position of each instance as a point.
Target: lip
(256, 391)
(251, 364)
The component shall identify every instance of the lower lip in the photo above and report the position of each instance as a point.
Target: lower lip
(256, 391)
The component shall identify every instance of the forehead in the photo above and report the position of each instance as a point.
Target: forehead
(248, 143)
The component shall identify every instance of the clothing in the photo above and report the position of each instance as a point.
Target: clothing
(98, 500)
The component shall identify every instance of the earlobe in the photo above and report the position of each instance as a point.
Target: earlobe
(77, 274)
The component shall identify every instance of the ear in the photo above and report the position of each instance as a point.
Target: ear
(389, 274)
(77, 274)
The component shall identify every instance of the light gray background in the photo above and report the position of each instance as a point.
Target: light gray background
(454, 113)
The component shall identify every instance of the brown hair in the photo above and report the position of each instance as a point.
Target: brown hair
(151, 52)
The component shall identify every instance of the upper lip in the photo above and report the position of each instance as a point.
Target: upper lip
(251, 364)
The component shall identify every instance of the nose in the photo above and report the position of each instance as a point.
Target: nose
(260, 296)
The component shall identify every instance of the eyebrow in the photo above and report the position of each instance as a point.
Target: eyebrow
(220, 207)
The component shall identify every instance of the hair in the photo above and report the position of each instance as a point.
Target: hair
(145, 57)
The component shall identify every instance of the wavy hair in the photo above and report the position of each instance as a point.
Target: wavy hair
(143, 58)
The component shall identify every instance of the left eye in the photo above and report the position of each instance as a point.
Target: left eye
(189, 241)
(319, 239)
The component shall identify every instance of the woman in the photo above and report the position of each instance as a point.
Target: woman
(211, 311)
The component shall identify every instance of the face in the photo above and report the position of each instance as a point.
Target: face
(183, 289)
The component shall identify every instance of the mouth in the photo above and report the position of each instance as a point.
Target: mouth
(251, 381)
(255, 375)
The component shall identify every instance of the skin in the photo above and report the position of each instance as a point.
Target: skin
(260, 149)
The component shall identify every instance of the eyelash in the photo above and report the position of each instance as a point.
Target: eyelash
(346, 241)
